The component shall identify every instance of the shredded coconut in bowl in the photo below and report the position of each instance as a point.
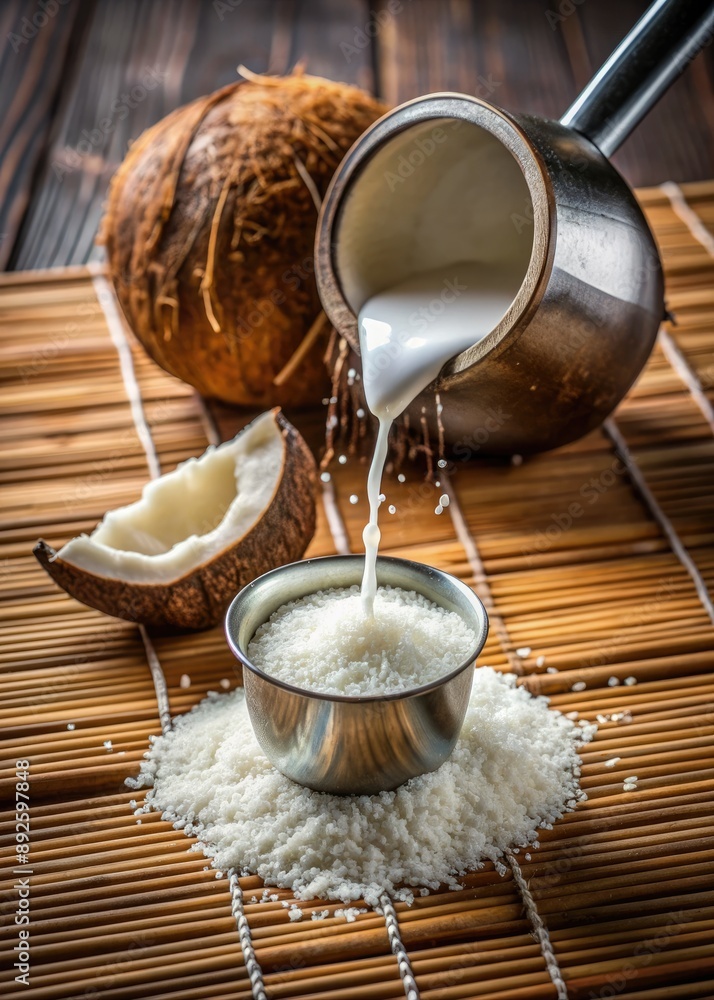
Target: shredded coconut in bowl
(325, 642)
(514, 769)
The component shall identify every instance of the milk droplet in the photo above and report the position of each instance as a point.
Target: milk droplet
(185, 681)
(441, 463)
(354, 499)
(70, 726)
(392, 509)
(381, 498)
(333, 399)
(325, 477)
(402, 478)
(360, 413)
(342, 459)
(438, 509)
(444, 500)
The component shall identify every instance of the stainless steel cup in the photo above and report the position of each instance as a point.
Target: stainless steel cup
(343, 744)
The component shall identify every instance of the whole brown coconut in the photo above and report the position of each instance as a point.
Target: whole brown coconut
(209, 232)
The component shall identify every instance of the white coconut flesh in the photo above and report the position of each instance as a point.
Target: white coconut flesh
(189, 516)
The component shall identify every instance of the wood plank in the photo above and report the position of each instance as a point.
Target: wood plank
(517, 55)
(33, 64)
(526, 57)
(140, 60)
(676, 139)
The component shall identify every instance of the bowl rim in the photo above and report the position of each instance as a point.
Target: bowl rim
(422, 568)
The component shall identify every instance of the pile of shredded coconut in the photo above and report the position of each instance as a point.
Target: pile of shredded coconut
(325, 642)
(515, 768)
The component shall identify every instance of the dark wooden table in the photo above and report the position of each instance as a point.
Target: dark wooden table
(79, 79)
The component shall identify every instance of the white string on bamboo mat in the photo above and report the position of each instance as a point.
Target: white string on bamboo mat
(671, 349)
(469, 545)
(115, 326)
(411, 989)
(213, 434)
(252, 965)
(335, 520)
(539, 928)
(677, 359)
(688, 216)
(159, 679)
(670, 532)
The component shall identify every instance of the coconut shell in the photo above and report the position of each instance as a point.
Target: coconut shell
(199, 598)
(209, 232)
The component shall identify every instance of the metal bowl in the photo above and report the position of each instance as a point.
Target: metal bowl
(348, 744)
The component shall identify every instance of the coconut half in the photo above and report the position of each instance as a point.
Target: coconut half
(198, 534)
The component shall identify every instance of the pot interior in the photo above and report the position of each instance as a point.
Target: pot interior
(435, 194)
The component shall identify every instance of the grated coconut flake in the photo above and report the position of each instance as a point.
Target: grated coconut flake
(513, 770)
(325, 642)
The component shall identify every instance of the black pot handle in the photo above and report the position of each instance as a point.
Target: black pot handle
(658, 49)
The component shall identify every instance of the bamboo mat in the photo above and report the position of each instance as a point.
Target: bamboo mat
(609, 616)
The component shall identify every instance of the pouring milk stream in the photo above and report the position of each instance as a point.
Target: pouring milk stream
(407, 334)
